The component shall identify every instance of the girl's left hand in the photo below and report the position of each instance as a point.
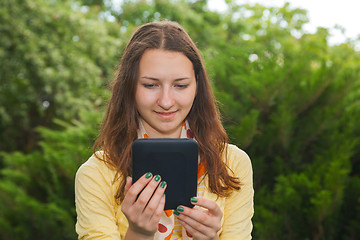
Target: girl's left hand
(202, 224)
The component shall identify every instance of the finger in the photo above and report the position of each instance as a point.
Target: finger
(128, 184)
(198, 217)
(126, 203)
(195, 234)
(157, 203)
(137, 187)
(147, 193)
(208, 204)
(155, 199)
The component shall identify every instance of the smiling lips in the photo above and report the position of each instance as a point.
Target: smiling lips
(166, 115)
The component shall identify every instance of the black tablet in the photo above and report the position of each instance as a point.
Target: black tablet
(175, 160)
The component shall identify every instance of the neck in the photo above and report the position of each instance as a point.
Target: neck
(155, 134)
(144, 129)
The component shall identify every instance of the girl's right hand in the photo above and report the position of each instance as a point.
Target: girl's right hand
(143, 213)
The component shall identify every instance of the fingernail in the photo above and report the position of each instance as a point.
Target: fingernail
(148, 175)
(194, 200)
(176, 213)
(180, 209)
(157, 178)
(163, 184)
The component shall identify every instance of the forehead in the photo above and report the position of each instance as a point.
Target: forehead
(163, 62)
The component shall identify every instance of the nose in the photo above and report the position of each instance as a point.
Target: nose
(166, 99)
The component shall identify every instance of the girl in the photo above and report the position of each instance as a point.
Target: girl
(161, 90)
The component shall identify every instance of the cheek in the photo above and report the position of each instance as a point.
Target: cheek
(187, 101)
(191, 97)
(143, 99)
(138, 98)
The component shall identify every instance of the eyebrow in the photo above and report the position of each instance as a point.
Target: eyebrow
(156, 79)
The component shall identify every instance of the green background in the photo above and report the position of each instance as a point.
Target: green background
(288, 98)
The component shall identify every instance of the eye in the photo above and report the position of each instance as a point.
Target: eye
(149, 85)
(181, 85)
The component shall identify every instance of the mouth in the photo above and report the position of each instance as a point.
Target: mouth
(166, 115)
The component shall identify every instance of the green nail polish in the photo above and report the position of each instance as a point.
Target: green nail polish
(157, 178)
(148, 175)
(194, 200)
(163, 184)
(180, 209)
(176, 213)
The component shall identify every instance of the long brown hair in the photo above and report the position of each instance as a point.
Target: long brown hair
(120, 123)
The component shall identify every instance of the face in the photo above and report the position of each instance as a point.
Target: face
(165, 92)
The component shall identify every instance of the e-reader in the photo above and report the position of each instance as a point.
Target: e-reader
(175, 160)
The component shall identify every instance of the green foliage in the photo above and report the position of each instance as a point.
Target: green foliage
(288, 99)
(37, 189)
(53, 59)
(292, 103)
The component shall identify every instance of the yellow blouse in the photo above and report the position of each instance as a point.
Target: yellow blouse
(100, 217)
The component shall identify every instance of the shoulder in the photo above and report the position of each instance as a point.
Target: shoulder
(238, 160)
(237, 156)
(233, 150)
(96, 168)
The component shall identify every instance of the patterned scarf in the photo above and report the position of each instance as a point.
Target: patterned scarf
(168, 220)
